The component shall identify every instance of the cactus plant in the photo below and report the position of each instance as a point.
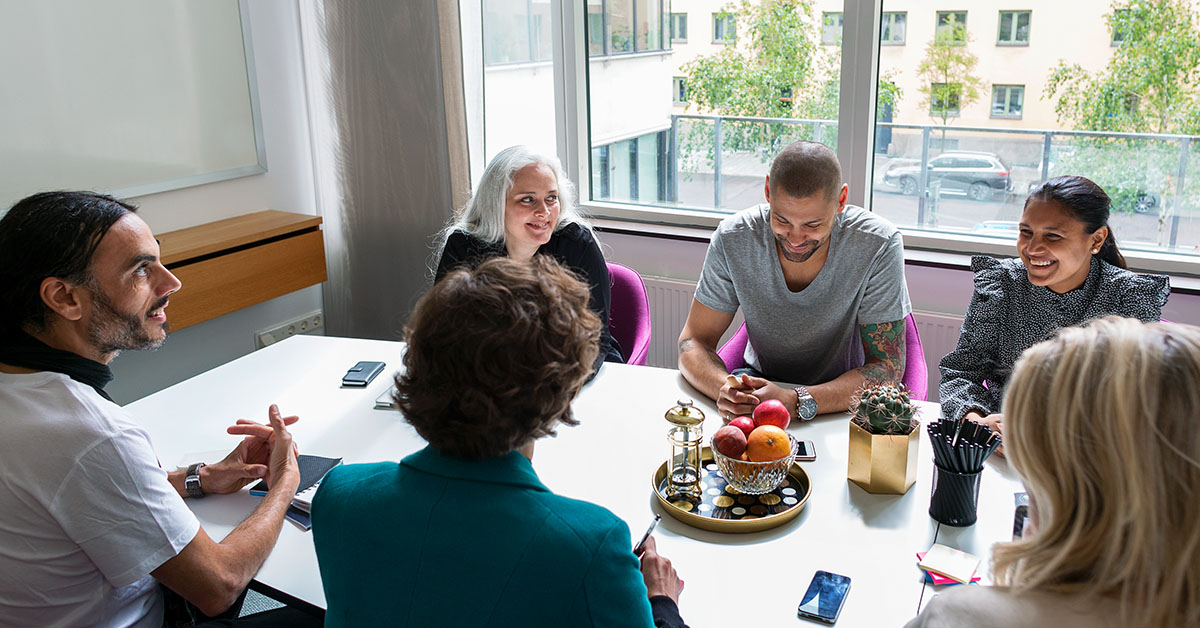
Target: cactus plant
(884, 408)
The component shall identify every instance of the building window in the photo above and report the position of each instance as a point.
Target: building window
(891, 30)
(952, 25)
(679, 28)
(1008, 101)
(625, 26)
(724, 28)
(1014, 28)
(831, 29)
(679, 90)
(1119, 17)
(516, 31)
(944, 100)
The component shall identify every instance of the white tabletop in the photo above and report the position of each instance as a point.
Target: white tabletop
(609, 459)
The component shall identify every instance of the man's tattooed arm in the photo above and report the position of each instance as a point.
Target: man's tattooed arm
(883, 346)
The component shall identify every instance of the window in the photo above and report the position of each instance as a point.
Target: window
(1007, 101)
(945, 99)
(831, 28)
(1120, 16)
(632, 170)
(625, 26)
(679, 90)
(724, 28)
(516, 31)
(891, 29)
(679, 28)
(952, 25)
(1014, 28)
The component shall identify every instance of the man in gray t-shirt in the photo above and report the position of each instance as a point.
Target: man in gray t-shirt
(821, 285)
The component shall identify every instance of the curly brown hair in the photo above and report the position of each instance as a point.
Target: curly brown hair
(496, 355)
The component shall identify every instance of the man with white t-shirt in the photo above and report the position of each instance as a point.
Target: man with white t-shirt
(821, 285)
(91, 524)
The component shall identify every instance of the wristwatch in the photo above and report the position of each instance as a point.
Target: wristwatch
(806, 406)
(192, 481)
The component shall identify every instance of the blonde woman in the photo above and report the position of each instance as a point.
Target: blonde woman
(1102, 425)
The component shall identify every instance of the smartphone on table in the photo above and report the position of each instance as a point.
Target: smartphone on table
(805, 451)
(824, 598)
(362, 373)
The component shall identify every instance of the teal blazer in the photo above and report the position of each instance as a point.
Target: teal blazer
(441, 541)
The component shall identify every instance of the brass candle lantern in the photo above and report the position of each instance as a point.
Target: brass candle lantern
(686, 437)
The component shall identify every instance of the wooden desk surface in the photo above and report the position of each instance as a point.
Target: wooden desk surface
(187, 244)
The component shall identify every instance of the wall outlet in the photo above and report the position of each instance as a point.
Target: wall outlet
(303, 325)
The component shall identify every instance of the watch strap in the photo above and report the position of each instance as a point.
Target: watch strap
(191, 481)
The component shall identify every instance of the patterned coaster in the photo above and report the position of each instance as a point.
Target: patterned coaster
(719, 500)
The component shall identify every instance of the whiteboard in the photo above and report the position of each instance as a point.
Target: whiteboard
(128, 97)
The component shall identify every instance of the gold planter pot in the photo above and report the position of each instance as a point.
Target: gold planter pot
(883, 464)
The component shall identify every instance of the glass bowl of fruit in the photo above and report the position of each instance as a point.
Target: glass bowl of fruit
(753, 464)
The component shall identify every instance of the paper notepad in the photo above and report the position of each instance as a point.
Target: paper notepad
(949, 562)
(312, 471)
(936, 578)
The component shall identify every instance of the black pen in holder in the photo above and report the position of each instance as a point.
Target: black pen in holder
(959, 451)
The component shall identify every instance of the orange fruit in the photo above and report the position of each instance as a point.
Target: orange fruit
(767, 443)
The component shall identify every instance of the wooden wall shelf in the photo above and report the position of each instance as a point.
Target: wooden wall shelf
(231, 264)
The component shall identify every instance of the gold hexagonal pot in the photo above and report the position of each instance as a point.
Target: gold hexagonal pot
(883, 464)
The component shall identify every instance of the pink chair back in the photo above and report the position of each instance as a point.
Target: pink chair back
(629, 313)
(916, 373)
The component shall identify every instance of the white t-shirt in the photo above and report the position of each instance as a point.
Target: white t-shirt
(86, 513)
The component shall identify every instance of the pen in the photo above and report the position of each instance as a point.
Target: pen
(637, 549)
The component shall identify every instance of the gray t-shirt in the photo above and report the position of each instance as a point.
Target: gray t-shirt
(812, 336)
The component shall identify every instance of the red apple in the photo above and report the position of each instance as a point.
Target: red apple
(744, 423)
(730, 441)
(772, 412)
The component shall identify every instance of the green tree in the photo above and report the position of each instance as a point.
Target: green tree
(775, 67)
(1151, 85)
(947, 75)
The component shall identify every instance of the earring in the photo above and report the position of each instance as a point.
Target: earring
(1095, 251)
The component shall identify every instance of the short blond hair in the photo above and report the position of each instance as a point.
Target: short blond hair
(1103, 424)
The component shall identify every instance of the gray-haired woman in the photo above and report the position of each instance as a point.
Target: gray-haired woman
(525, 206)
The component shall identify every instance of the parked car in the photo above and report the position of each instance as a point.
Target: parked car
(976, 175)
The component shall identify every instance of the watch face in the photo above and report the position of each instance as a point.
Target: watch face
(808, 408)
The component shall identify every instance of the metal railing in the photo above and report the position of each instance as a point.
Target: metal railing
(1172, 182)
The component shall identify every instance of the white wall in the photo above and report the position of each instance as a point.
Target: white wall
(287, 186)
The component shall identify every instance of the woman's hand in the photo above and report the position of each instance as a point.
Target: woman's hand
(994, 422)
(658, 573)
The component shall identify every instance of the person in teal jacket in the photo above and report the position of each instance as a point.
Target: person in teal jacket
(462, 533)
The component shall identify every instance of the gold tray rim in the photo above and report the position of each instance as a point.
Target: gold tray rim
(732, 525)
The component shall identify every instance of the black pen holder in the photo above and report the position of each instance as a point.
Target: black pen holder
(955, 498)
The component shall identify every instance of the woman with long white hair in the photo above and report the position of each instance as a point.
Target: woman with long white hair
(1102, 427)
(525, 206)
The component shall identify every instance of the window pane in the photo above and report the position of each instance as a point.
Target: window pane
(620, 25)
(831, 28)
(506, 33)
(892, 28)
(595, 27)
(679, 27)
(698, 119)
(649, 25)
(1097, 121)
(520, 25)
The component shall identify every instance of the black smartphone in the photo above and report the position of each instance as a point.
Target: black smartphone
(362, 373)
(805, 451)
(823, 600)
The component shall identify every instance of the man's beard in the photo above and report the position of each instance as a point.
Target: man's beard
(803, 256)
(113, 331)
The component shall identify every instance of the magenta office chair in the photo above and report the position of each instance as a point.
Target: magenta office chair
(916, 374)
(629, 313)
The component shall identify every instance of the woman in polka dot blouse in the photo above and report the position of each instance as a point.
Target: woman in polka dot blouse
(1068, 271)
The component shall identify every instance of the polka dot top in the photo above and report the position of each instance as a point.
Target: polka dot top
(1008, 315)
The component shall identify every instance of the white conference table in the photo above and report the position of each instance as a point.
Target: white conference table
(731, 579)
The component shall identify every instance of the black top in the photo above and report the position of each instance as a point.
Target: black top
(573, 247)
(1008, 315)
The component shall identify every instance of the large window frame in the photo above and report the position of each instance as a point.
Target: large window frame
(856, 131)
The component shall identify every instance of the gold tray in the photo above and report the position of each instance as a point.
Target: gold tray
(724, 509)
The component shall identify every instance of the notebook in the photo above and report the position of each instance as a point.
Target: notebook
(949, 562)
(312, 471)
